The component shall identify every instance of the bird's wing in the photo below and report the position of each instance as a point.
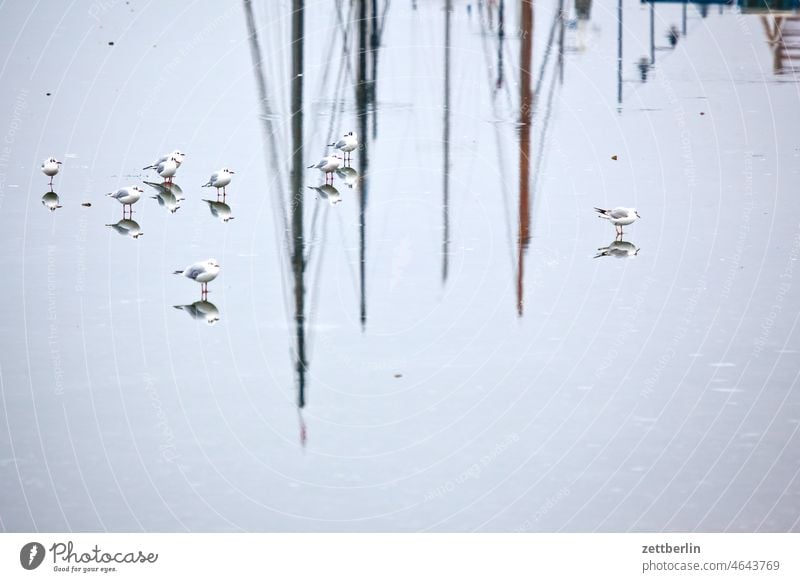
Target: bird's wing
(194, 271)
(619, 213)
(339, 144)
(601, 210)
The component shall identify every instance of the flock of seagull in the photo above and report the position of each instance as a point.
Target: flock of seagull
(204, 272)
(167, 166)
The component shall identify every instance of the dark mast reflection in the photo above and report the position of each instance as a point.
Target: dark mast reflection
(364, 92)
(525, 114)
(272, 157)
(448, 10)
(296, 184)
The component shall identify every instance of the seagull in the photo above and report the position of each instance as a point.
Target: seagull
(329, 193)
(202, 272)
(167, 169)
(347, 144)
(220, 179)
(127, 227)
(50, 168)
(619, 249)
(50, 201)
(127, 197)
(220, 210)
(328, 165)
(176, 154)
(204, 310)
(619, 216)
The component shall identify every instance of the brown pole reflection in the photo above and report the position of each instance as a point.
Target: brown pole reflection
(525, 110)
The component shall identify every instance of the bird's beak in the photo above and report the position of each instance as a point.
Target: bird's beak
(232, 172)
(59, 163)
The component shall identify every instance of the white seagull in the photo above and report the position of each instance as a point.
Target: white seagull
(347, 144)
(176, 154)
(127, 196)
(50, 168)
(202, 272)
(220, 179)
(328, 165)
(167, 169)
(618, 216)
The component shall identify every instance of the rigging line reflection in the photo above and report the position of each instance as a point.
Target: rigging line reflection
(500, 150)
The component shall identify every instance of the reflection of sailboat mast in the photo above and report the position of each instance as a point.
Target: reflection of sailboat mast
(446, 158)
(362, 98)
(296, 181)
(501, 34)
(525, 106)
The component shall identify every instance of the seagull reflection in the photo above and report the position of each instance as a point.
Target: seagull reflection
(169, 195)
(127, 227)
(220, 210)
(619, 249)
(202, 310)
(328, 192)
(50, 201)
(349, 175)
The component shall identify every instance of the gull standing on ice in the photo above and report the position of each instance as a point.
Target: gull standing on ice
(50, 168)
(127, 197)
(347, 144)
(167, 169)
(177, 155)
(619, 217)
(220, 179)
(328, 165)
(202, 272)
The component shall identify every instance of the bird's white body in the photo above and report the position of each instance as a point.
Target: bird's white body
(167, 168)
(50, 167)
(348, 143)
(619, 216)
(328, 164)
(127, 196)
(220, 178)
(202, 272)
(177, 155)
